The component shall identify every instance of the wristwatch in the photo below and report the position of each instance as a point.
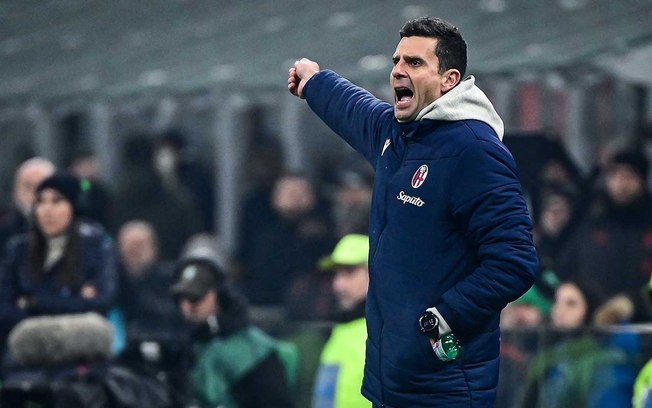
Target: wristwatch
(429, 324)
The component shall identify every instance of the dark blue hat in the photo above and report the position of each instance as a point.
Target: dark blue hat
(66, 184)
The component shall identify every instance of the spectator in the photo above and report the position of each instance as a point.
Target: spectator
(559, 171)
(580, 370)
(643, 387)
(28, 176)
(97, 199)
(310, 298)
(236, 364)
(63, 265)
(181, 172)
(521, 322)
(572, 308)
(530, 310)
(553, 225)
(550, 234)
(342, 361)
(290, 246)
(149, 311)
(352, 201)
(613, 246)
(256, 213)
(142, 195)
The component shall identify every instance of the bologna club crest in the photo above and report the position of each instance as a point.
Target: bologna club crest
(420, 176)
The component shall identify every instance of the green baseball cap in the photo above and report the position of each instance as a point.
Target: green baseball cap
(351, 250)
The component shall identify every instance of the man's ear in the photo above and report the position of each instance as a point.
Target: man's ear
(450, 78)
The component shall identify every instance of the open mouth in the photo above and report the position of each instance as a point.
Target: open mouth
(403, 96)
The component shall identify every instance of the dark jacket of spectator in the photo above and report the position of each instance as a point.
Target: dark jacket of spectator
(290, 245)
(183, 172)
(53, 294)
(14, 223)
(142, 195)
(147, 306)
(68, 268)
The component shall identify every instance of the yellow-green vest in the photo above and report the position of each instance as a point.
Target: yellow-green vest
(643, 387)
(342, 367)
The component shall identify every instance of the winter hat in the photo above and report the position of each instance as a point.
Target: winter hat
(635, 160)
(66, 184)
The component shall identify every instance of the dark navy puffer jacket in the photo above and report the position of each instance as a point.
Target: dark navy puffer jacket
(449, 229)
(97, 267)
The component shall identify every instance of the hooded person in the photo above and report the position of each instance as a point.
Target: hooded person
(63, 265)
(450, 233)
(234, 363)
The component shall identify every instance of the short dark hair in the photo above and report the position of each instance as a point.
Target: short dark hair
(451, 47)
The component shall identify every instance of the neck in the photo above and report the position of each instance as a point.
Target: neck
(55, 247)
(353, 313)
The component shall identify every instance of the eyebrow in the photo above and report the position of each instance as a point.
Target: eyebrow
(408, 58)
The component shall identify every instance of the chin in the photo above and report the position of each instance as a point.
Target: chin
(404, 116)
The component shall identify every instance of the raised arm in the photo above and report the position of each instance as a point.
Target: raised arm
(357, 116)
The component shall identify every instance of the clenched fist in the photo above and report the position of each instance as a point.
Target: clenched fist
(299, 75)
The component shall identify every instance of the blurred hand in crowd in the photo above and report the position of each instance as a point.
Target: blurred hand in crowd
(88, 291)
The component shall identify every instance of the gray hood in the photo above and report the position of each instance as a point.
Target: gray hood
(465, 101)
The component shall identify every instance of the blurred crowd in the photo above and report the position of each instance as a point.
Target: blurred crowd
(594, 294)
(144, 257)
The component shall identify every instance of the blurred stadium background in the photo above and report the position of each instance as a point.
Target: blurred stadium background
(88, 74)
(79, 73)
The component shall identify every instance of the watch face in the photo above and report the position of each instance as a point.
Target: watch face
(428, 322)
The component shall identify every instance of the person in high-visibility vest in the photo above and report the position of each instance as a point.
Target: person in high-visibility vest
(341, 369)
(643, 387)
(643, 384)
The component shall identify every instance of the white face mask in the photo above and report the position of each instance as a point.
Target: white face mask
(165, 161)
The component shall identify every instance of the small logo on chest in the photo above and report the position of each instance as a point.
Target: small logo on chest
(420, 176)
(387, 143)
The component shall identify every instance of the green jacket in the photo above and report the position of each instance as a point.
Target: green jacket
(222, 362)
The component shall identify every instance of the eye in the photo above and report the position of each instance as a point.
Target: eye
(415, 63)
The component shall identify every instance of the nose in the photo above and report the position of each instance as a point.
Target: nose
(338, 282)
(43, 209)
(186, 306)
(398, 71)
